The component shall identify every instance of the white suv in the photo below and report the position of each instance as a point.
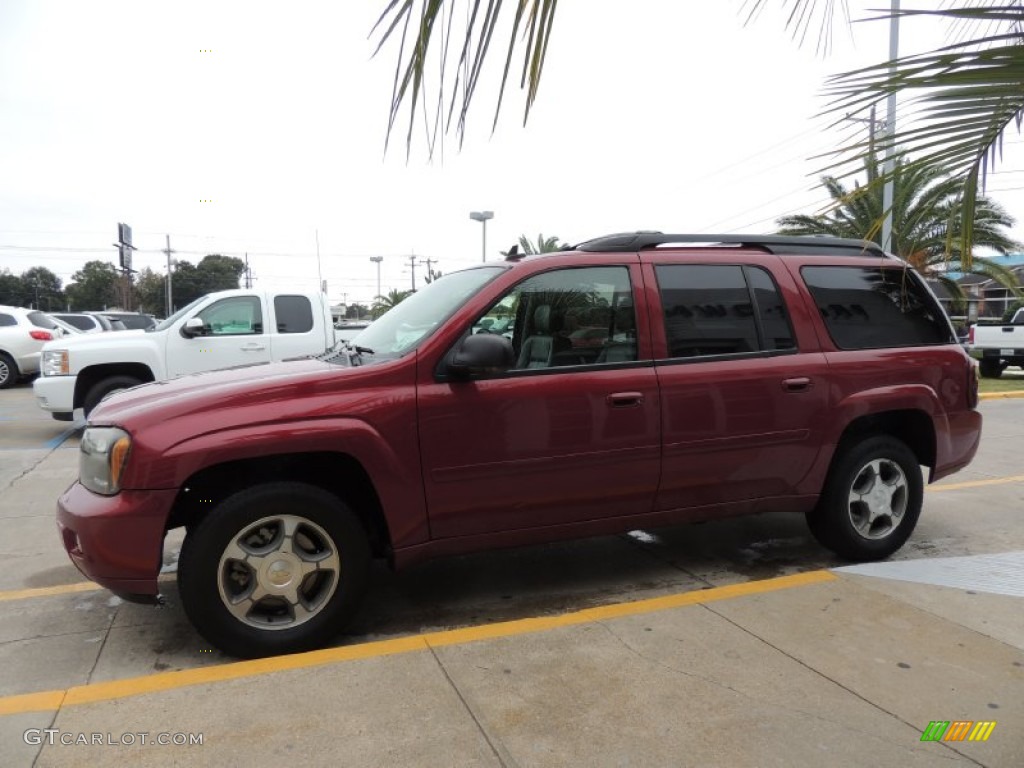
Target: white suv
(22, 335)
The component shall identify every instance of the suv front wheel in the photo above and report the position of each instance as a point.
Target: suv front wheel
(872, 499)
(274, 569)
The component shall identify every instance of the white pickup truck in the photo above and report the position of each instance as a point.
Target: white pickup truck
(219, 330)
(998, 345)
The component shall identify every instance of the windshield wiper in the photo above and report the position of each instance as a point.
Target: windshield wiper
(353, 353)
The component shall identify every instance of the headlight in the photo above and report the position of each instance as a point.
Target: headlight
(55, 362)
(102, 459)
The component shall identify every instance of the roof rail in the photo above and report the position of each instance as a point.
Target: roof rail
(778, 244)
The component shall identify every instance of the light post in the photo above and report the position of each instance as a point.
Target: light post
(377, 260)
(482, 217)
(890, 128)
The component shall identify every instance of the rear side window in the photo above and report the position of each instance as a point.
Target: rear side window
(872, 307)
(722, 310)
(7, 320)
(294, 314)
(41, 320)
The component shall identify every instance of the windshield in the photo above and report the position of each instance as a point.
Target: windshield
(403, 327)
(165, 324)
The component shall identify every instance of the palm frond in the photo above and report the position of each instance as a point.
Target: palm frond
(413, 25)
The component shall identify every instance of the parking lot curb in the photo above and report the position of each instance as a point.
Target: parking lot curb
(48, 701)
(1002, 395)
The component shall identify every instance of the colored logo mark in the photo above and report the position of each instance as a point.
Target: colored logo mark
(958, 730)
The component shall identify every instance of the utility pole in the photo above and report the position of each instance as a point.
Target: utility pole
(412, 266)
(170, 302)
(430, 273)
(248, 273)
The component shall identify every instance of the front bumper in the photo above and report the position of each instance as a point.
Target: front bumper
(117, 541)
(55, 394)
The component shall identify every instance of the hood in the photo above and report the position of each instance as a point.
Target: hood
(248, 385)
(90, 340)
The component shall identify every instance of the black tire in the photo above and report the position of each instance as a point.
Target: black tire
(253, 523)
(848, 526)
(990, 368)
(104, 387)
(8, 371)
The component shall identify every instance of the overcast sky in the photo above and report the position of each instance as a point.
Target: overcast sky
(672, 116)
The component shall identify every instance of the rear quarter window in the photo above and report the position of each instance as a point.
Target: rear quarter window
(875, 307)
(294, 314)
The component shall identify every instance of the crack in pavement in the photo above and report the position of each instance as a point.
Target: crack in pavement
(504, 758)
(835, 682)
(751, 698)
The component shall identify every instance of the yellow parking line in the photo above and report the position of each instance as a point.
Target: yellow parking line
(61, 589)
(975, 483)
(47, 701)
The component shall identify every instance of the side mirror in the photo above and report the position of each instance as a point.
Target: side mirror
(193, 327)
(479, 354)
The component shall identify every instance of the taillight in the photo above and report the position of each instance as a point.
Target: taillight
(41, 335)
(970, 335)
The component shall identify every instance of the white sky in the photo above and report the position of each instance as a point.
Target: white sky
(671, 115)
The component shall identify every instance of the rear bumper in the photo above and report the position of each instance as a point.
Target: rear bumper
(55, 394)
(116, 541)
(964, 438)
(29, 363)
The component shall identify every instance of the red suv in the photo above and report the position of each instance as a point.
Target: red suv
(734, 374)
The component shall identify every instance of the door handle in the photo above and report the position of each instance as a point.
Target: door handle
(799, 384)
(624, 399)
(253, 348)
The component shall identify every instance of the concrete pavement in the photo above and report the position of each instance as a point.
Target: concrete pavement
(671, 647)
(804, 671)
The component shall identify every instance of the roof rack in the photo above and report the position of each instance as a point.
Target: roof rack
(777, 244)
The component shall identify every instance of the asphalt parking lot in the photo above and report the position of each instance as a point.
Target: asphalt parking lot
(732, 643)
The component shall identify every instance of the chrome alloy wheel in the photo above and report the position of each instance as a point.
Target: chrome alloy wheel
(878, 498)
(279, 572)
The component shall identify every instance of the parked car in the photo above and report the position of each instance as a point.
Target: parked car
(347, 331)
(67, 328)
(219, 330)
(769, 374)
(23, 332)
(998, 345)
(132, 321)
(90, 322)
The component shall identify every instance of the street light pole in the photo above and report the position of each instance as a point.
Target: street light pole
(890, 129)
(482, 217)
(377, 260)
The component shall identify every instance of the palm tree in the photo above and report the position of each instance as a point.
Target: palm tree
(382, 304)
(967, 93)
(541, 245)
(926, 222)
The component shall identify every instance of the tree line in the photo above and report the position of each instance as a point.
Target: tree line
(100, 285)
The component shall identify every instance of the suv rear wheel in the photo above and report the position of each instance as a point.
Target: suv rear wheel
(274, 569)
(872, 499)
(8, 371)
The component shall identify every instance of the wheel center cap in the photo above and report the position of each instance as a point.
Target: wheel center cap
(280, 573)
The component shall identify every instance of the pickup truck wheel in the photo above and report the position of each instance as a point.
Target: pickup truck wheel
(871, 501)
(278, 568)
(104, 387)
(990, 368)
(8, 371)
